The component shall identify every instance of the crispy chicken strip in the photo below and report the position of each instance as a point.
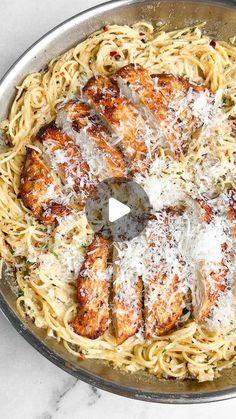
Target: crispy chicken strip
(163, 300)
(122, 118)
(39, 191)
(92, 319)
(126, 302)
(84, 120)
(186, 106)
(163, 305)
(206, 210)
(211, 279)
(211, 282)
(166, 98)
(66, 159)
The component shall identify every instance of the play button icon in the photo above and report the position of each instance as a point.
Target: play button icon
(119, 209)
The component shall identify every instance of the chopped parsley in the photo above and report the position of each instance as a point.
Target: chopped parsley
(20, 293)
(224, 100)
(54, 253)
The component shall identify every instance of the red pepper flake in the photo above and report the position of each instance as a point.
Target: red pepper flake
(115, 55)
(142, 33)
(105, 28)
(213, 43)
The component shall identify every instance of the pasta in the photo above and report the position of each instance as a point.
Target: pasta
(47, 259)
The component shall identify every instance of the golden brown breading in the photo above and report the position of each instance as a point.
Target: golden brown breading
(65, 157)
(211, 282)
(92, 318)
(211, 278)
(163, 305)
(121, 116)
(83, 118)
(126, 303)
(161, 95)
(139, 82)
(39, 191)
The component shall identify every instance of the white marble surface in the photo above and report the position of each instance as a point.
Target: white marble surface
(30, 386)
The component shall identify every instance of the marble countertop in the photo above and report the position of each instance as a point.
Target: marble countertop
(30, 386)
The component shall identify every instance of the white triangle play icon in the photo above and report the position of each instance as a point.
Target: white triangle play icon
(117, 210)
